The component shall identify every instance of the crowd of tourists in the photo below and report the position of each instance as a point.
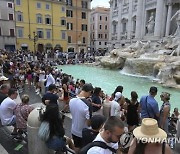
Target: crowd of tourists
(94, 130)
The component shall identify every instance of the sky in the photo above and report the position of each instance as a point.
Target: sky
(96, 3)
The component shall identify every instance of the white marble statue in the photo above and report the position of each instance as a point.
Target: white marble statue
(177, 16)
(150, 24)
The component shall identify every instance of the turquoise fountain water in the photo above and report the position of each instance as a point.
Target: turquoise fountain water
(108, 80)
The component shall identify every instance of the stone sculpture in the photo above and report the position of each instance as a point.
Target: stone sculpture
(177, 16)
(150, 24)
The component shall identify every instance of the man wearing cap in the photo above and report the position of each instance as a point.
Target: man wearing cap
(149, 106)
(80, 114)
(115, 105)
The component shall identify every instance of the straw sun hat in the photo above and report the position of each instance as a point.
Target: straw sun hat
(149, 131)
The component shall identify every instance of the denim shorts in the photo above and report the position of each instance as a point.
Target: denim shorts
(56, 143)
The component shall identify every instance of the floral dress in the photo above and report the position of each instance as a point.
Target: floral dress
(22, 112)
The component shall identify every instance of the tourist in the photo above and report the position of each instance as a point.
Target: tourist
(149, 106)
(7, 108)
(66, 94)
(22, 112)
(88, 135)
(96, 100)
(118, 89)
(49, 79)
(29, 77)
(149, 139)
(133, 111)
(115, 105)
(3, 92)
(41, 80)
(56, 140)
(81, 115)
(175, 113)
(110, 135)
(51, 96)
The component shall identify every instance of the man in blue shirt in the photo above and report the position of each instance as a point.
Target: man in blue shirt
(149, 106)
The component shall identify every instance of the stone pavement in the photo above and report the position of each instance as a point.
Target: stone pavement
(10, 146)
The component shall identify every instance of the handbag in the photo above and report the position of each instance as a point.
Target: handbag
(44, 131)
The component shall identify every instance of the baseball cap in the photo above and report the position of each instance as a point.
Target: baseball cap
(117, 96)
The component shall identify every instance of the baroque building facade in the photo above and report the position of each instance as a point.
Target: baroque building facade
(78, 21)
(132, 20)
(7, 25)
(99, 34)
(41, 24)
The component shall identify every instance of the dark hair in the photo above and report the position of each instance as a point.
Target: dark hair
(65, 80)
(52, 87)
(118, 89)
(97, 121)
(4, 86)
(153, 90)
(112, 122)
(52, 116)
(87, 87)
(12, 91)
(82, 81)
(140, 147)
(97, 90)
(134, 96)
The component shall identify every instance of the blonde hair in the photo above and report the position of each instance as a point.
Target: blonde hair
(25, 99)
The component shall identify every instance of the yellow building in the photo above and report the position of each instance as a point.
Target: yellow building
(78, 21)
(41, 24)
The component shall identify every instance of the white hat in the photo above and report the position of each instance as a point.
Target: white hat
(149, 131)
(3, 78)
(117, 96)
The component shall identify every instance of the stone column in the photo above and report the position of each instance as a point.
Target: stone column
(168, 22)
(129, 26)
(139, 19)
(158, 19)
(119, 28)
(110, 25)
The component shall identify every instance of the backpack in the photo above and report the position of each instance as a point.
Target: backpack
(88, 103)
(101, 144)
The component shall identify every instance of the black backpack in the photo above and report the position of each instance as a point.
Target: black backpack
(88, 103)
(103, 145)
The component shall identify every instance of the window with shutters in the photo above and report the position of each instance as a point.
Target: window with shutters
(10, 5)
(63, 22)
(69, 26)
(11, 17)
(83, 15)
(69, 39)
(40, 33)
(12, 32)
(47, 20)
(69, 13)
(84, 27)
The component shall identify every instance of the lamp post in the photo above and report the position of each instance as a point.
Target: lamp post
(34, 39)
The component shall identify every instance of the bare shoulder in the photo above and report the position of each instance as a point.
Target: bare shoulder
(168, 150)
(132, 146)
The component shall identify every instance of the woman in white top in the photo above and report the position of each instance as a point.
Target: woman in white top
(115, 105)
